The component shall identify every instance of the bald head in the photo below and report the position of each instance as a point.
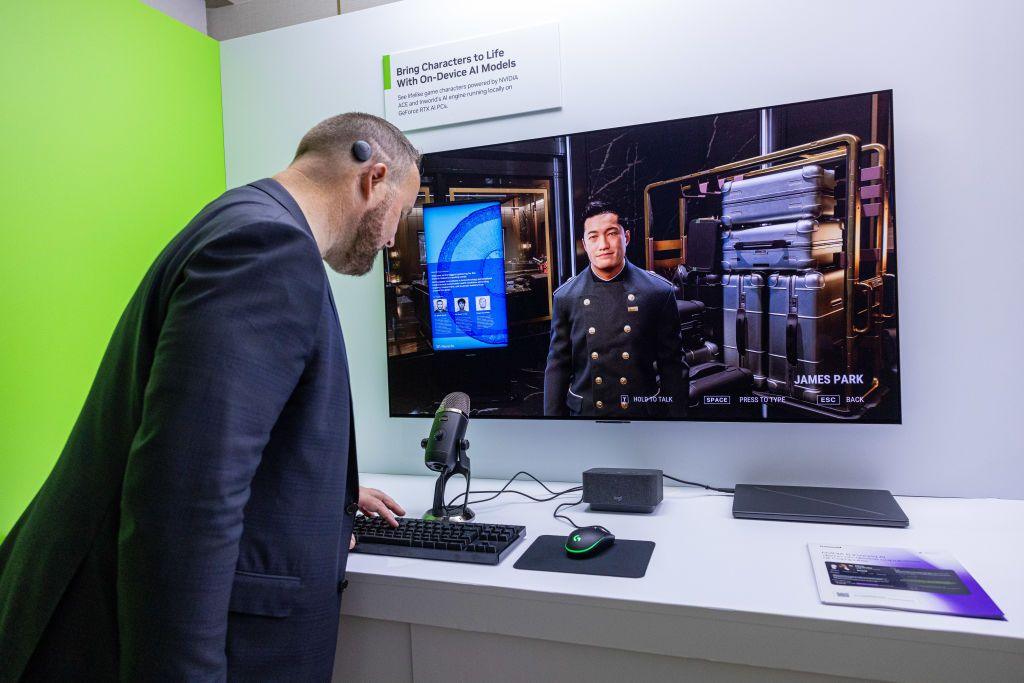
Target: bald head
(353, 204)
(327, 147)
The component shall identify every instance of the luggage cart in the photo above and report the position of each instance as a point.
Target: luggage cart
(869, 299)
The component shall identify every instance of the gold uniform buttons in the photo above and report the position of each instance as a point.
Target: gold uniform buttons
(599, 404)
(586, 302)
(631, 297)
(591, 331)
(598, 380)
(622, 380)
(593, 356)
(627, 329)
(625, 355)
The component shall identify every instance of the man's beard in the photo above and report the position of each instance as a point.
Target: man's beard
(357, 257)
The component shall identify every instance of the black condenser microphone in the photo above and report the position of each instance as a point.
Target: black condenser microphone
(441, 448)
(444, 451)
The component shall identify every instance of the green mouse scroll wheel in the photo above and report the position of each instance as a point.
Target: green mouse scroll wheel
(576, 538)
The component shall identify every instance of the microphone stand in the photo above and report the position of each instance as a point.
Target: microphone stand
(452, 513)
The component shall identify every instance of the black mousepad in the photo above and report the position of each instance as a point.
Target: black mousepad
(625, 559)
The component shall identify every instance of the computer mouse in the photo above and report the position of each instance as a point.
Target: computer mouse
(588, 541)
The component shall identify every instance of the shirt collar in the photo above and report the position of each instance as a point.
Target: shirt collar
(283, 197)
(615, 278)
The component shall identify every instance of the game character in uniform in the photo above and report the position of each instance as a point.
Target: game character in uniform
(615, 349)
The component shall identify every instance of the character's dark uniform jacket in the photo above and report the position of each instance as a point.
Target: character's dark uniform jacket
(615, 350)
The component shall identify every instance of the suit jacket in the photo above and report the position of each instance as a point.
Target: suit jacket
(196, 524)
(615, 349)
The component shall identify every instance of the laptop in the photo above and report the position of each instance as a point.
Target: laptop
(868, 507)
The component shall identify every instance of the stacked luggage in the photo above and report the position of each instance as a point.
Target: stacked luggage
(806, 330)
(697, 344)
(804, 192)
(770, 296)
(704, 290)
(798, 245)
(766, 282)
(699, 302)
(745, 327)
(718, 379)
(783, 281)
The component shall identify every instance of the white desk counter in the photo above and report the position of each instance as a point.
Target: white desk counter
(723, 599)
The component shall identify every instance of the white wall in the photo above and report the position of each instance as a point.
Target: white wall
(954, 68)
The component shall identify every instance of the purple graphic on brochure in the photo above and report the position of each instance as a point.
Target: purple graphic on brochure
(896, 578)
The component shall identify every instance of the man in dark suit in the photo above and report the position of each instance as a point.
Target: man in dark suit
(197, 523)
(615, 349)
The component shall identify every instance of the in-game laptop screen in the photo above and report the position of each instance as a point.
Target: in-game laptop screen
(738, 267)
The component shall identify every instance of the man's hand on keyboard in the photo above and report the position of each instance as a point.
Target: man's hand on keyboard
(373, 502)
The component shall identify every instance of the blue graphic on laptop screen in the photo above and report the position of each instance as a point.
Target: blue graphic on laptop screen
(466, 275)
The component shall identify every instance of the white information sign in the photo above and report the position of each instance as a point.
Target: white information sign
(495, 75)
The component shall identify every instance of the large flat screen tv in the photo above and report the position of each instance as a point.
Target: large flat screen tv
(732, 267)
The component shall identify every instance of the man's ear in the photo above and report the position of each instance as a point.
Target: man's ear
(627, 237)
(372, 178)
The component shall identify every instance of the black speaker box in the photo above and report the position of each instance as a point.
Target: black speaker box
(622, 490)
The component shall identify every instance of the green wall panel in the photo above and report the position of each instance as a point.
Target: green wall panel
(112, 136)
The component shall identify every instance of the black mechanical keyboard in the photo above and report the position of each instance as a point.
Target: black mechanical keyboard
(436, 540)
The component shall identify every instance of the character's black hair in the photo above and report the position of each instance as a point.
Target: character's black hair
(596, 207)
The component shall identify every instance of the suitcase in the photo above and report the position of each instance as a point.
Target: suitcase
(707, 289)
(691, 318)
(704, 245)
(796, 245)
(745, 328)
(806, 332)
(718, 379)
(805, 192)
(704, 353)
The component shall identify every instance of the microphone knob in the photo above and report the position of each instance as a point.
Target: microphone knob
(423, 443)
(465, 444)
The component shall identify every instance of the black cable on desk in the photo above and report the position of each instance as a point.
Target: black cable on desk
(505, 489)
(703, 486)
(566, 517)
(556, 494)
